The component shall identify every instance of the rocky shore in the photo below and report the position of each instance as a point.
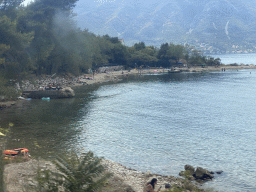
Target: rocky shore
(22, 177)
(108, 76)
(137, 180)
(41, 82)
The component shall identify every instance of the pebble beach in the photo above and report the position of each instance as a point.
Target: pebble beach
(20, 177)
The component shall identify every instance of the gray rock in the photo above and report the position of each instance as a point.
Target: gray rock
(129, 189)
(182, 173)
(219, 172)
(31, 183)
(202, 174)
(148, 173)
(190, 168)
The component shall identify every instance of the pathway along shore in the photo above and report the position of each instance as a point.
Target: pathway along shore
(21, 176)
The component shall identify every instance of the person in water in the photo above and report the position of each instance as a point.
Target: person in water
(150, 187)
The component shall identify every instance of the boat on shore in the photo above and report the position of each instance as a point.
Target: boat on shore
(50, 93)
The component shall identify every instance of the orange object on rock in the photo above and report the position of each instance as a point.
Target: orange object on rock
(16, 151)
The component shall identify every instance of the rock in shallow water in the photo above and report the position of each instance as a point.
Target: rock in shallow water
(202, 174)
(190, 168)
(219, 172)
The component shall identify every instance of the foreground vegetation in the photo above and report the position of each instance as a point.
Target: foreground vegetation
(75, 174)
(83, 173)
(42, 38)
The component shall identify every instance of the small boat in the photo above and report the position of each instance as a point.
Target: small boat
(14, 152)
(46, 98)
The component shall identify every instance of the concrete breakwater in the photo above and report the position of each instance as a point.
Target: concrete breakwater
(53, 94)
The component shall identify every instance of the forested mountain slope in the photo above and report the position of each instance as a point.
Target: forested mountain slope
(219, 23)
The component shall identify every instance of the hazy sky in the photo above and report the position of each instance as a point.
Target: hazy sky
(26, 2)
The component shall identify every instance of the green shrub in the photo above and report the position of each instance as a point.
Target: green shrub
(175, 188)
(75, 174)
(9, 92)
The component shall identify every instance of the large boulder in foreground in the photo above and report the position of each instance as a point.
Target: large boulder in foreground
(202, 174)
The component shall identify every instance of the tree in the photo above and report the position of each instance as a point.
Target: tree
(119, 54)
(6, 4)
(9, 8)
(113, 40)
(162, 55)
(101, 51)
(65, 5)
(16, 56)
(58, 46)
(142, 58)
(196, 58)
(3, 48)
(178, 52)
(139, 46)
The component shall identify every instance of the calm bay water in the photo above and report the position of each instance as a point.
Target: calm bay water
(246, 58)
(153, 122)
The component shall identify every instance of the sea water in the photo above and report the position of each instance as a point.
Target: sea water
(161, 123)
(156, 123)
(244, 58)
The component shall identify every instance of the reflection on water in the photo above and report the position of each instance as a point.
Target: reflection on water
(53, 124)
(161, 123)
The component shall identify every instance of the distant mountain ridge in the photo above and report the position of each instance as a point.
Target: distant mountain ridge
(214, 23)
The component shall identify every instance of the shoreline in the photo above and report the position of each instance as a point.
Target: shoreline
(115, 76)
(110, 76)
(129, 177)
(137, 179)
(22, 176)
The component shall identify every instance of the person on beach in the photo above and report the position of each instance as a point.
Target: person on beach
(150, 186)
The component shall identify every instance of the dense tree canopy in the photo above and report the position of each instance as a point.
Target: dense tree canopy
(42, 38)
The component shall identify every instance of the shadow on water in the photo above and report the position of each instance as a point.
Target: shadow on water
(47, 127)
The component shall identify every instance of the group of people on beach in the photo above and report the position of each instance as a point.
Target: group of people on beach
(150, 186)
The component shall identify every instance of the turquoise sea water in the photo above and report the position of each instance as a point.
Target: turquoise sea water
(152, 122)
